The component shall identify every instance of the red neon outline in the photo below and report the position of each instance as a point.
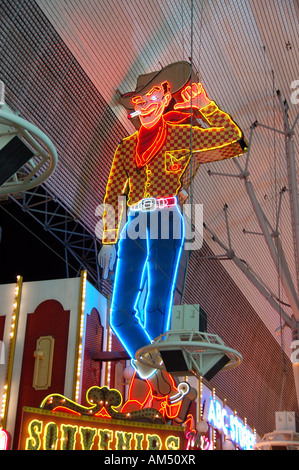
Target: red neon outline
(149, 400)
(139, 98)
(190, 93)
(175, 167)
(156, 109)
(132, 403)
(103, 413)
(64, 409)
(5, 439)
(175, 118)
(166, 408)
(157, 144)
(190, 421)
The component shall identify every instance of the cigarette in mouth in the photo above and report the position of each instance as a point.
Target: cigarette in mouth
(134, 114)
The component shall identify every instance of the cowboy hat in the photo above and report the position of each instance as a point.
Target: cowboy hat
(177, 74)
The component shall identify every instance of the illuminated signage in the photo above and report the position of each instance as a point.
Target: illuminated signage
(194, 440)
(231, 426)
(45, 430)
(3, 439)
(151, 168)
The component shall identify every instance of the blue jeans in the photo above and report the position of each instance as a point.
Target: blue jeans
(148, 256)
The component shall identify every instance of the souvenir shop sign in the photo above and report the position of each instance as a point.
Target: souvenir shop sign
(47, 430)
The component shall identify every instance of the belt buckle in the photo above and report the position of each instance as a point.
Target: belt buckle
(148, 204)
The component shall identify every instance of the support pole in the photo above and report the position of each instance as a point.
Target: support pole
(277, 258)
(244, 268)
(292, 180)
(272, 238)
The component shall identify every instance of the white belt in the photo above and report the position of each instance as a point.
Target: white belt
(151, 203)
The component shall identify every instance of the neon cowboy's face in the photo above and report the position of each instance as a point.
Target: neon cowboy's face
(151, 105)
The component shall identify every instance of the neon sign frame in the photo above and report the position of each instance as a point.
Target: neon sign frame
(138, 151)
(44, 430)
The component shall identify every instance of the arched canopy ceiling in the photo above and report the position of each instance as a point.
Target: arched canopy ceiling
(245, 50)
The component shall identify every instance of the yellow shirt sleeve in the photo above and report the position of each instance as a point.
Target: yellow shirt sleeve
(113, 208)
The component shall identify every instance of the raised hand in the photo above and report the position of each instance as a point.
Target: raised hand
(193, 95)
(106, 259)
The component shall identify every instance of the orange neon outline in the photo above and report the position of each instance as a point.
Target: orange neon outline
(165, 408)
(157, 111)
(103, 413)
(136, 99)
(191, 92)
(155, 147)
(171, 410)
(157, 108)
(191, 422)
(64, 409)
(135, 401)
(177, 161)
(155, 88)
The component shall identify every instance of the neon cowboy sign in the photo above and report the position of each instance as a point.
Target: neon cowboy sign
(231, 426)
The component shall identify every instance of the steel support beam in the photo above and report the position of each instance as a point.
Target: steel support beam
(292, 179)
(272, 237)
(79, 244)
(230, 254)
(275, 247)
(276, 254)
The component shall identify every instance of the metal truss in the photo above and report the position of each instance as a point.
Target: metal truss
(271, 234)
(79, 244)
(35, 199)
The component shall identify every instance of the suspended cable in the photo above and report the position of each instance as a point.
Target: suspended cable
(183, 28)
(191, 128)
(284, 370)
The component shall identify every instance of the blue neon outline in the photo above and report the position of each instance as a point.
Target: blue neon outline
(146, 266)
(112, 302)
(176, 272)
(174, 279)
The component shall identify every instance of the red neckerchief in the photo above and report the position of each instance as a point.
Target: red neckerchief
(150, 141)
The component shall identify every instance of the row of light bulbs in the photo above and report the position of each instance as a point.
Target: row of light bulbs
(14, 319)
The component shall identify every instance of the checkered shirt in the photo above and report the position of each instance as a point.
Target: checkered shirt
(172, 167)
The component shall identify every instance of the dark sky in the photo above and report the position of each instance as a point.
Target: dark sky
(26, 249)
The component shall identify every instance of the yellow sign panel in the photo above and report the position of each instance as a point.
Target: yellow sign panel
(47, 430)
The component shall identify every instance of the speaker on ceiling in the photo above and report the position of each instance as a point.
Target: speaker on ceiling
(176, 362)
(12, 157)
(216, 367)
